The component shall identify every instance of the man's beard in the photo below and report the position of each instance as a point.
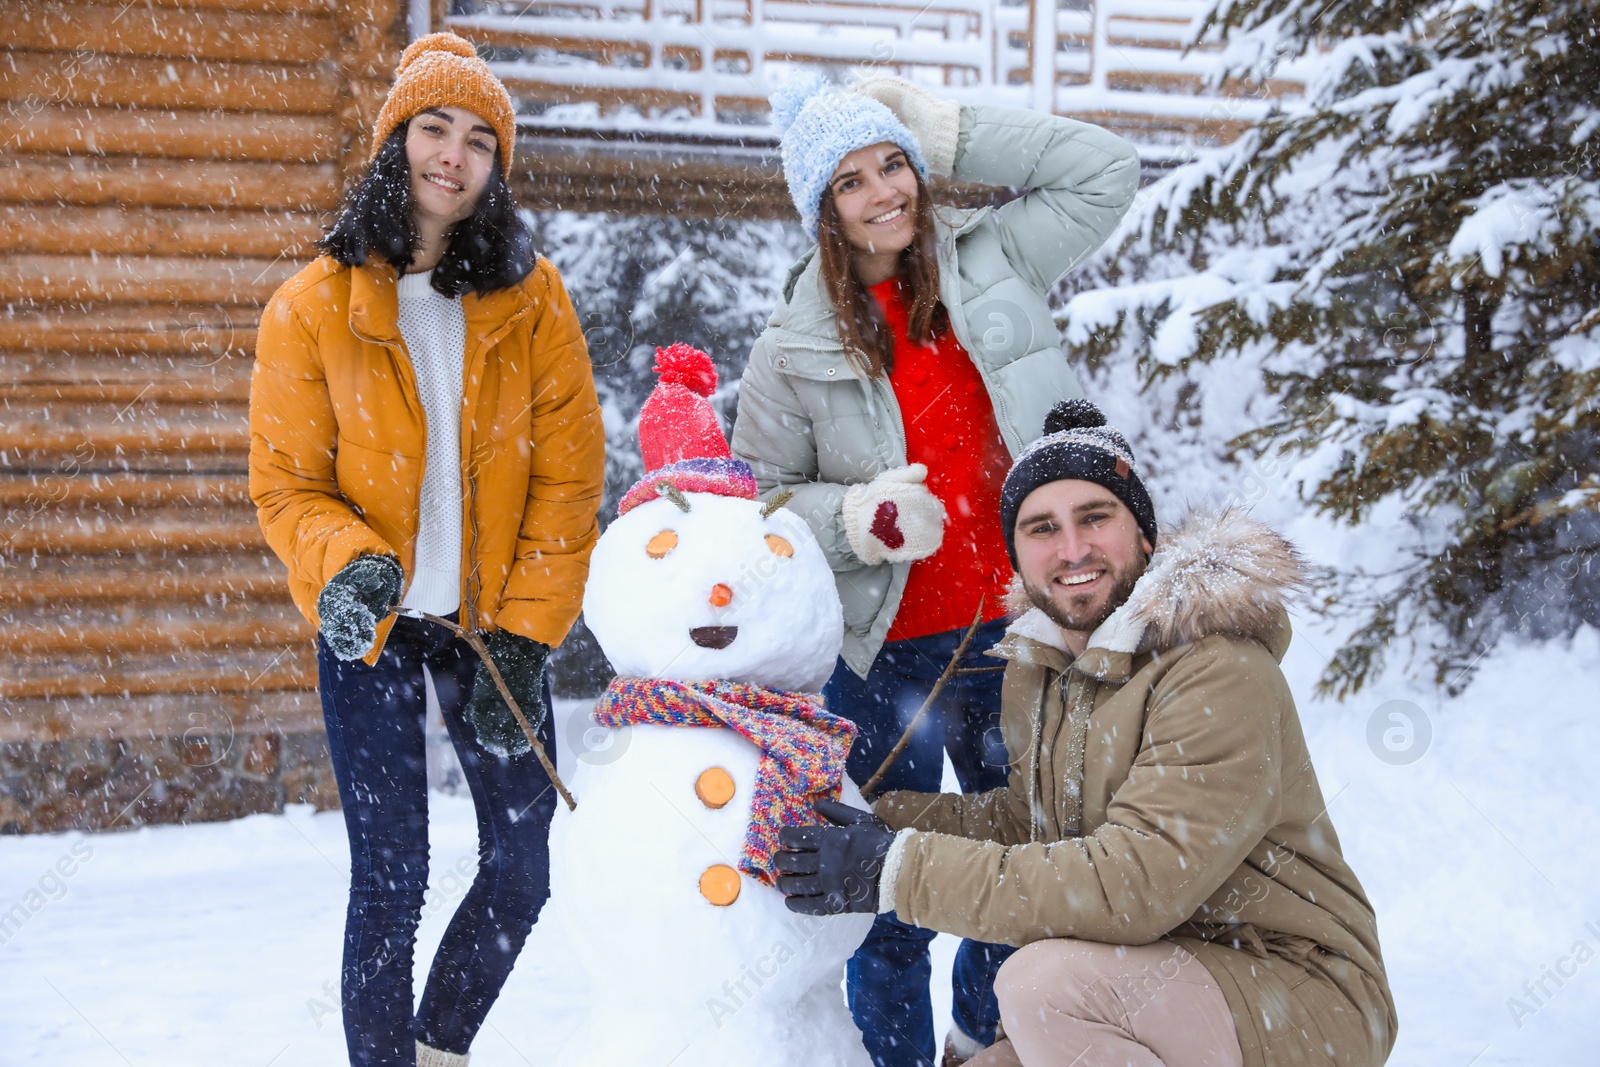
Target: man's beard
(1085, 617)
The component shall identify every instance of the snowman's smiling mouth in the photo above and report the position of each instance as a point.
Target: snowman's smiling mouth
(713, 636)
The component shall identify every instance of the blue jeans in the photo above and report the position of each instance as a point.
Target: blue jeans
(374, 717)
(887, 979)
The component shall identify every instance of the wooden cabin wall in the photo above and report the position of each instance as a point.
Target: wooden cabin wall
(164, 166)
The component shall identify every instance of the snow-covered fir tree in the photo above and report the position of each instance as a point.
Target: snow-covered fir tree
(1405, 257)
(646, 281)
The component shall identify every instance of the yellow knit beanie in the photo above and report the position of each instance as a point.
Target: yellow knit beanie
(443, 70)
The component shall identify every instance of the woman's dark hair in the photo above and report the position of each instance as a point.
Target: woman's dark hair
(862, 329)
(490, 249)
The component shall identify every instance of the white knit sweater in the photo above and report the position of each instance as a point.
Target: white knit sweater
(435, 332)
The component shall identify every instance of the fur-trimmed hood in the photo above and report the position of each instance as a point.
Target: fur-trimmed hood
(1218, 572)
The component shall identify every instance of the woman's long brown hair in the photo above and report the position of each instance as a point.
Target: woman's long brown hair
(862, 329)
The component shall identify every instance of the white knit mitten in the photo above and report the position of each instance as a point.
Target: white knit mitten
(428, 1056)
(893, 518)
(935, 123)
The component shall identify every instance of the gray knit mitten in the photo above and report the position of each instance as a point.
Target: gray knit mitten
(364, 591)
(521, 661)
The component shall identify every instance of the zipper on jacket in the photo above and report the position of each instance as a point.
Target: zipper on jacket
(472, 584)
(471, 587)
(1036, 742)
(1064, 693)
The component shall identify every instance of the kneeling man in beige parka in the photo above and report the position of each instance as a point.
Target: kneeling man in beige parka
(1162, 851)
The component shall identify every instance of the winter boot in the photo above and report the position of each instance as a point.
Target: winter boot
(958, 1048)
(432, 1057)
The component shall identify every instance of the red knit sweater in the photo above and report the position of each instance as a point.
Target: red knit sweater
(950, 426)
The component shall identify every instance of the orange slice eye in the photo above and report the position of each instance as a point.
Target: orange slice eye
(661, 544)
(779, 546)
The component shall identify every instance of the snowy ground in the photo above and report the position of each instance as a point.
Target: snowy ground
(219, 945)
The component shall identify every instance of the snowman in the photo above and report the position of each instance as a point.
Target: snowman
(720, 617)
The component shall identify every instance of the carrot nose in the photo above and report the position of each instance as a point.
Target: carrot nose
(721, 596)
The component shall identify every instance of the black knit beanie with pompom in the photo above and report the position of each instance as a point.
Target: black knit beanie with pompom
(1077, 444)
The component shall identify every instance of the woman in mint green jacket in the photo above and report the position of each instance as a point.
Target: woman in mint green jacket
(913, 355)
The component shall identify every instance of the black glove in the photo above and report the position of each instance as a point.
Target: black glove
(348, 609)
(830, 870)
(521, 661)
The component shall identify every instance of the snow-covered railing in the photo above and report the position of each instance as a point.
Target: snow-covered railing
(704, 68)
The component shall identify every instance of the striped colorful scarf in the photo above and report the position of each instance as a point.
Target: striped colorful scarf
(803, 747)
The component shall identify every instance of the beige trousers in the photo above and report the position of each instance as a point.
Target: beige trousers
(1067, 1003)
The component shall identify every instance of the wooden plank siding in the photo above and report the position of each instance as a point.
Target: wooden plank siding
(705, 69)
(164, 166)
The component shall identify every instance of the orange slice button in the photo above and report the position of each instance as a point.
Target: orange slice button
(720, 885)
(714, 787)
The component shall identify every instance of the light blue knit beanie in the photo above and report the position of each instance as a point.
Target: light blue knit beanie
(821, 124)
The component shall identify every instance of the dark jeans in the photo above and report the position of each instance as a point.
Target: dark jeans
(887, 979)
(374, 717)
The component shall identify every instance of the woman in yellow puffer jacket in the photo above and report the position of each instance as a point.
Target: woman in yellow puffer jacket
(425, 438)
